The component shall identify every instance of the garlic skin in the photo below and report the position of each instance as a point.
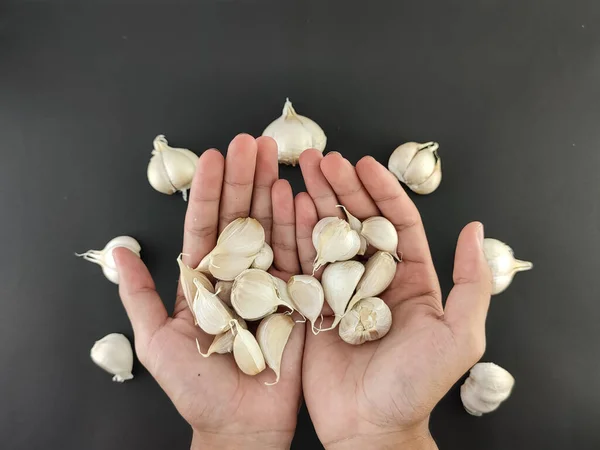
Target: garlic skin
(339, 281)
(223, 343)
(487, 386)
(264, 259)
(334, 241)
(418, 166)
(246, 352)
(226, 266)
(187, 275)
(380, 271)
(254, 295)
(370, 319)
(293, 134)
(212, 315)
(104, 257)
(503, 265)
(171, 169)
(381, 234)
(356, 225)
(113, 353)
(272, 335)
(223, 290)
(307, 297)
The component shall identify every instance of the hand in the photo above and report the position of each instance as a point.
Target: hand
(380, 394)
(225, 408)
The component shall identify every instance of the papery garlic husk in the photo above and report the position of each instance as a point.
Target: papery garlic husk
(223, 343)
(264, 259)
(171, 169)
(186, 278)
(246, 352)
(368, 320)
(113, 353)
(212, 315)
(503, 265)
(380, 271)
(254, 295)
(293, 134)
(307, 297)
(487, 386)
(339, 281)
(272, 335)
(334, 241)
(104, 257)
(223, 290)
(418, 166)
(381, 234)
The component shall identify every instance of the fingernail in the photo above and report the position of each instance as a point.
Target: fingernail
(334, 153)
(480, 234)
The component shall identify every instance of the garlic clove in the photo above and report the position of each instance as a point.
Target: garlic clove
(401, 158)
(244, 236)
(227, 266)
(223, 290)
(264, 259)
(363, 246)
(104, 257)
(212, 315)
(246, 352)
(355, 224)
(114, 354)
(503, 265)
(281, 288)
(187, 275)
(272, 335)
(381, 234)
(254, 295)
(222, 343)
(334, 241)
(369, 319)
(307, 297)
(171, 169)
(487, 386)
(417, 165)
(293, 134)
(422, 165)
(339, 281)
(380, 271)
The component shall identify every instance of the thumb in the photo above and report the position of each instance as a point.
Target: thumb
(469, 300)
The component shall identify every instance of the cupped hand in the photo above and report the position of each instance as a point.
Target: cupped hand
(380, 394)
(225, 408)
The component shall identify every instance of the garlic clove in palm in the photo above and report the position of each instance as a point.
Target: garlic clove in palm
(334, 241)
(227, 266)
(339, 281)
(353, 221)
(503, 265)
(254, 295)
(243, 236)
(272, 335)
(187, 275)
(171, 169)
(418, 166)
(212, 315)
(223, 343)
(380, 271)
(487, 386)
(246, 352)
(223, 290)
(264, 259)
(368, 320)
(113, 353)
(381, 234)
(293, 134)
(307, 297)
(104, 257)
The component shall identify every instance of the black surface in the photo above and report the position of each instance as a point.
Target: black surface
(509, 89)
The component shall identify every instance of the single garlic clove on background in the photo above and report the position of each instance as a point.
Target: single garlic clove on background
(104, 257)
(113, 353)
(307, 297)
(293, 134)
(272, 335)
(264, 259)
(418, 166)
(171, 169)
(254, 295)
(339, 281)
(487, 386)
(212, 315)
(503, 265)
(334, 241)
(380, 271)
(187, 275)
(223, 343)
(381, 234)
(246, 352)
(223, 290)
(370, 319)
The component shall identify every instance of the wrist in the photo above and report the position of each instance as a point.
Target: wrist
(264, 440)
(413, 439)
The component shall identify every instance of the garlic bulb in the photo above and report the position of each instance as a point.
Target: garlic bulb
(487, 386)
(212, 315)
(307, 297)
(293, 134)
(223, 343)
(339, 281)
(418, 166)
(380, 271)
(171, 169)
(370, 319)
(381, 234)
(272, 335)
(187, 275)
(223, 290)
(264, 259)
(254, 295)
(104, 257)
(246, 352)
(334, 241)
(113, 353)
(503, 264)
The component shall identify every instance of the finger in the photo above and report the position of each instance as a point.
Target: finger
(306, 219)
(317, 186)
(349, 190)
(267, 172)
(469, 299)
(140, 299)
(285, 251)
(239, 178)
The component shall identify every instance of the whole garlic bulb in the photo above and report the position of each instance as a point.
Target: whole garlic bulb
(293, 134)
(104, 257)
(418, 166)
(113, 353)
(487, 386)
(503, 264)
(369, 319)
(171, 169)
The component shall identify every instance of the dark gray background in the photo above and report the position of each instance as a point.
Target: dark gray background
(509, 89)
